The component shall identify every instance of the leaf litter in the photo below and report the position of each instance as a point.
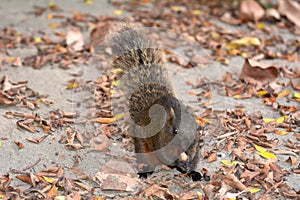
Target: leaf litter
(253, 171)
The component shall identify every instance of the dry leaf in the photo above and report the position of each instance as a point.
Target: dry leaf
(36, 140)
(114, 166)
(99, 143)
(52, 192)
(212, 157)
(291, 160)
(233, 181)
(116, 182)
(200, 60)
(158, 191)
(257, 73)
(27, 124)
(99, 32)
(291, 10)
(20, 144)
(75, 39)
(245, 41)
(27, 179)
(250, 10)
(295, 82)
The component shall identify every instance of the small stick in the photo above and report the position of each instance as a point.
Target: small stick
(226, 135)
(31, 166)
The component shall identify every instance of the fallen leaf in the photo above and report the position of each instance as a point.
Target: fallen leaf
(118, 12)
(262, 93)
(99, 33)
(250, 10)
(245, 41)
(295, 82)
(200, 60)
(20, 144)
(296, 95)
(231, 163)
(197, 12)
(104, 120)
(178, 8)
(268, 120)
(53, 25)
(49, 179)
(27, 124)
(157, 191)
(26, 179)
(36, 140)
(74, 39)
(253, 189)
(52, 192)
(291, 160)
(281, 119)
(233, 181)
(290, 10)
(89, 2)
(284, 93)
(15, 61)
(99, 143)
(117, 182)
(281, 132)
(273, 13)
(257, 73)
(212, 157)
(267, 155)
(73, 85)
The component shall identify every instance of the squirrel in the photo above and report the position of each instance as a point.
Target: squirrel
(164, 132)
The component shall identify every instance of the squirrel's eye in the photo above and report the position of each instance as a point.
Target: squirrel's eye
(175, 130)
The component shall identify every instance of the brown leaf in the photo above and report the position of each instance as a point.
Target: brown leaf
(99, 32)
(212, 157)
(15, 61)
(27, 179)
(74, 40)
(114, 166)
(200, 60)
(158, 191)
(27, 124)
(188, 195)
(179, 61)
(291, 160)
(36, 140)
(52, 192)
(78, 183)
(233, 181)
(250, 10)
(116, 182)
(229, 19)
(72, 146)
(6, 100)
(257, 73)
(20, 144)
(295, 82)
(99, 143)
(291, 10)
(249, 175)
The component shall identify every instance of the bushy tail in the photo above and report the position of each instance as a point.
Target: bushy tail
(132, 48)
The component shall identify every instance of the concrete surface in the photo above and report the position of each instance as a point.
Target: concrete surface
(53, 81)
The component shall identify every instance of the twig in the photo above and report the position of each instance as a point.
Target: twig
(226, 135)
(31, 166)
